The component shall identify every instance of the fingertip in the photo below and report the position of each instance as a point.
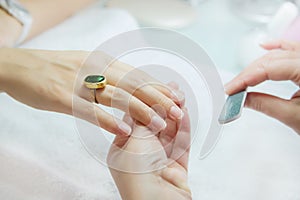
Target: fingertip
(176, 113)
(124, 128)
(185, 122)
(157, 124)
(269, 44)
(229, 88)
(173, 85)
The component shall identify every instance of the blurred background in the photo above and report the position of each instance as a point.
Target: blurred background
(232, 26)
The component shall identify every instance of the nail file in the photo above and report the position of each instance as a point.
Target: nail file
(233, 107)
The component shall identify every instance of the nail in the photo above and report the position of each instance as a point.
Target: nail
(125, 128)
(157, 123)
(266, 41)
(176, 113)
(177, 96)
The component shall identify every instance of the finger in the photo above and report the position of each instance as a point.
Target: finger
(281, 44)
(177, 95)
(281, 109)
(152, 97)
(297, 94)
(181, 147)
(173, 85)
(137, 83)
(170, 91)
(127, 119)
(276, 70)
(120, 99)
(167, 136)
(177, 177)
(120, 141)
(95, 115)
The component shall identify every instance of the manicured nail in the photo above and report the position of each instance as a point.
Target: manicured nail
(177, 96)
(176, 113)
(125, 128)
(157, 123)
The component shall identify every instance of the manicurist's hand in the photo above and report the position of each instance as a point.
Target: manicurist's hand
(54, 81)
(151, 165)
(281, 63)
(10, 29)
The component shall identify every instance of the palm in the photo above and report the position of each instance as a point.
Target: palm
(144, 154)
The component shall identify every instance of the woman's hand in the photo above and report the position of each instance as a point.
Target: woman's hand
(151, 165)
(281, 63)
(10, 29)
(53, 81)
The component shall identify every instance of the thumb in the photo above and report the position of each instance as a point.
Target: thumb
(272, 106)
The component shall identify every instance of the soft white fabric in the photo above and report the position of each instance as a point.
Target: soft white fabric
(42, 158)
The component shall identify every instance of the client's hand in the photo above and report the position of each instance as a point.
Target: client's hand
(282, 63)
(54, 81)
(149, 165)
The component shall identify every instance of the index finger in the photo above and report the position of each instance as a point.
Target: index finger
(262, 70)
(181, 147)
(281, 44)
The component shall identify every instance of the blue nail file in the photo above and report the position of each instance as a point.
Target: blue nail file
(233, 107)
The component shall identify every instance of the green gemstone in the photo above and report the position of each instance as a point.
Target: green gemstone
(94, 79)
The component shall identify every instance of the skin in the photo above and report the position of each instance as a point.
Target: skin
(43, 19)
(62, 83)
(282, 62)
(159, 171)
(57, 87)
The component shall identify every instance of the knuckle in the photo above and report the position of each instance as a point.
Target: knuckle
(265, 63)
(165, 101)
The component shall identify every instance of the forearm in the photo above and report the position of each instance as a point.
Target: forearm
(48, 13)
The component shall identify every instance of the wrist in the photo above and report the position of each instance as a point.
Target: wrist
(129, 185)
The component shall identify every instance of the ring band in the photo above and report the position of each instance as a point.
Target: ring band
(94, 82)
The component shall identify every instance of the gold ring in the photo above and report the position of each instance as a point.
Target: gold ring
(94, 82)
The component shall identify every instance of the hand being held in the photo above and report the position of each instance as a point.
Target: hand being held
(46, 80)
(151, 165)
(281, 63)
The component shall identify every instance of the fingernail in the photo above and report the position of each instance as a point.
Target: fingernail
(157, 123)
(266, 41)
(178, 96)
(125, 128)
(176, 113)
